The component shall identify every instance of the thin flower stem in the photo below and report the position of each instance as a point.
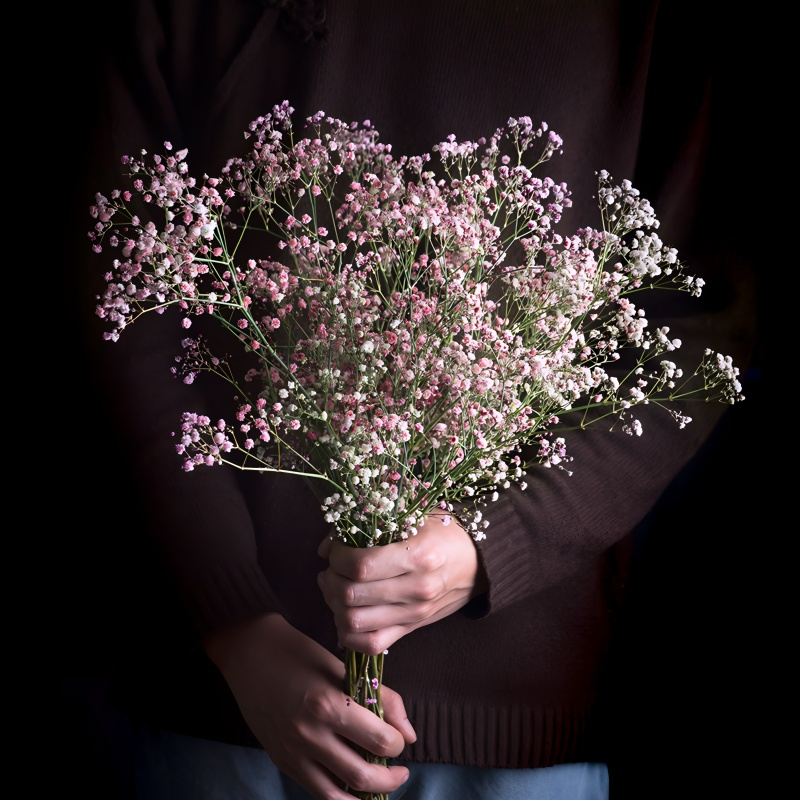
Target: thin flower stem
(363, 679)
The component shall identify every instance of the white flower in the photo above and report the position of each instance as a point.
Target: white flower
(397, 374)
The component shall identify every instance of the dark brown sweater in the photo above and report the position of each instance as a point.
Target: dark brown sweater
(513, 680)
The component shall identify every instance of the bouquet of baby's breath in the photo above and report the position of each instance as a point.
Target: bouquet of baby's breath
(412, 332)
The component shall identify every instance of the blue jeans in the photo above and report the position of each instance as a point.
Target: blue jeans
(171, 766)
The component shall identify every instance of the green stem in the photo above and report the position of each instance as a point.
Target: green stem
(363, 679)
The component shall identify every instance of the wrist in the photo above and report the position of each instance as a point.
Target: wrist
(222, 643)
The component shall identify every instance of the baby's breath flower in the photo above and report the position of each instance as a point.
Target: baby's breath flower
(423, 321)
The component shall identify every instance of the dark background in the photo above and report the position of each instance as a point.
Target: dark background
(702, 668)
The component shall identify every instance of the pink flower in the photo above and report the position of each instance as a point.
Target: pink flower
(384, 345)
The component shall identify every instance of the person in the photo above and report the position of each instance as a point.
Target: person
(230, 666)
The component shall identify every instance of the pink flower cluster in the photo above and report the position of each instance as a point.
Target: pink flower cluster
(415, 330)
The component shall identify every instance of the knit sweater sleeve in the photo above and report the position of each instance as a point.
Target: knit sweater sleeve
(540, 536)
(199, 520)
(536, 537)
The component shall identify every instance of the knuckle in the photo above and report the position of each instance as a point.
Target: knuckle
(373, 644)
(318, 706)
(430, 588)
(354, 621)
(365, 567)
(428, 559)
(385, 744)
(350, 594)
(357, 777)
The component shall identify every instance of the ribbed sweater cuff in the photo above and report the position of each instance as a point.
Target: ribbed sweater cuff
(506, 555)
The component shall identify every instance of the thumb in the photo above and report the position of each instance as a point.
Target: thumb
(395, 714)
(324, 549)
